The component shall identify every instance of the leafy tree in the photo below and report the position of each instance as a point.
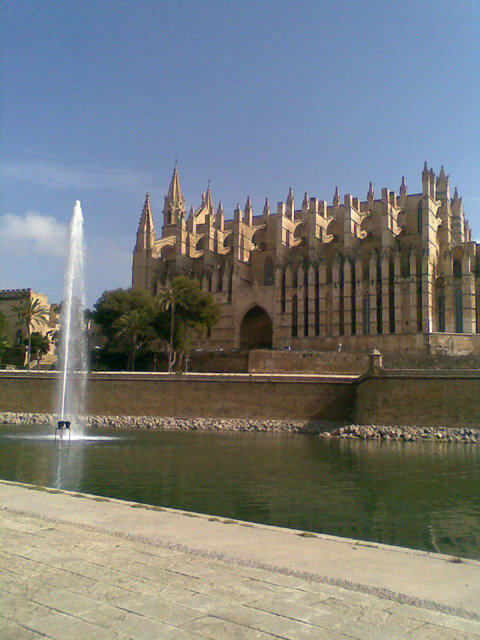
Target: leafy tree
(132, 327)
(107, 312)
(40, 345)
(181, 308)
(4, 336)
(171, 298)
(30, 312)
(113, 304)
(198, 311)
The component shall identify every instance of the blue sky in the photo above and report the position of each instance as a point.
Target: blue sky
(98, 99)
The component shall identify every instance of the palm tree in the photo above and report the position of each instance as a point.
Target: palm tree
(30, 312)
(132, 326)
(170, 298)
(4, 337)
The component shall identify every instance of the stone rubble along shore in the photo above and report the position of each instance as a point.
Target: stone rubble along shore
(185, 424)
(372, 432)
(407, 434)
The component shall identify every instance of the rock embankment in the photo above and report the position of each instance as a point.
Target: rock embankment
(372, 432)
(185, 424)
(407, 434)
(204, 424)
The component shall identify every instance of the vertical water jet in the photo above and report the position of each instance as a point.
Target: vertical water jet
(73, 339)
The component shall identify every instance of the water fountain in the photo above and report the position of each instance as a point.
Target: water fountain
(73, 342)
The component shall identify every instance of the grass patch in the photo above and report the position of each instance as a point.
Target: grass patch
(100, 499)
(229, 521)
(214, 519)
(307, 534)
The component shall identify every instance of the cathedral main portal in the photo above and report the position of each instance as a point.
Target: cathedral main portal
(256, 329)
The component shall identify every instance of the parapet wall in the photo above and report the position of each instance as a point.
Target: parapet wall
(415, 398)
(193, 395)
(308, 361)
(407, 398)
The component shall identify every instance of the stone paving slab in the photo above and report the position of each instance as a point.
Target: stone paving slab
(71, 574)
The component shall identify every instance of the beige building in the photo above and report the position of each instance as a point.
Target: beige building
(18, 333)
(399, 272)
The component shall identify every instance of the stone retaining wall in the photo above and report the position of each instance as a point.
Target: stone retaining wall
(407, 398)
(415, 398)
(256, 397)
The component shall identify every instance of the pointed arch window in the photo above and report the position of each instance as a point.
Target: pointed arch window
(268, 273)
(457, 269)
(305, 301)
(419, 218)
(458, 311)
(230, 287)
(366, 313)
(441, 310)
(294, 316)
(379, 312)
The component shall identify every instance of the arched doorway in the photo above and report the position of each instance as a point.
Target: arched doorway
(256, 329)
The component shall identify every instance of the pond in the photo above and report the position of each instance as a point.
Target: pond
(422, 495)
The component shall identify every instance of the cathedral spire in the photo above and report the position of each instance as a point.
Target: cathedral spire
(248, 212)
(220, 217)
(175, 190)
(290, 204)
(336, 198)
(146, 228)
(208, 200)
(174, 208)
(371, 193)
(403, 192)
(305, 202)
(266, 209)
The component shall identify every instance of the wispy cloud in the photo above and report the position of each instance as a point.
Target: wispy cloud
(33, 233)
(65, 176)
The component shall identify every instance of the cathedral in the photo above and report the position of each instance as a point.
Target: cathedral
(397, 272)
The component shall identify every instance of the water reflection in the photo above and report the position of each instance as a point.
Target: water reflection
(423, 495)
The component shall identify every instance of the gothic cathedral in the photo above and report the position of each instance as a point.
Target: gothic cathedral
(399, 272)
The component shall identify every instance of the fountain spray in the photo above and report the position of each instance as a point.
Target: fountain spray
(73, 342)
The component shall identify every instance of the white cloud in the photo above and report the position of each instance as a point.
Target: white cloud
(65, 176)
(33, 233)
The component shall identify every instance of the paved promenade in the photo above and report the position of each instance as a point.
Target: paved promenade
(80, 567)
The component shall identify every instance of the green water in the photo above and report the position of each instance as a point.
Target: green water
(423, 495)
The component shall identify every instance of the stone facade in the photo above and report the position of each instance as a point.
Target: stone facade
(384, 272)
(8, 299)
